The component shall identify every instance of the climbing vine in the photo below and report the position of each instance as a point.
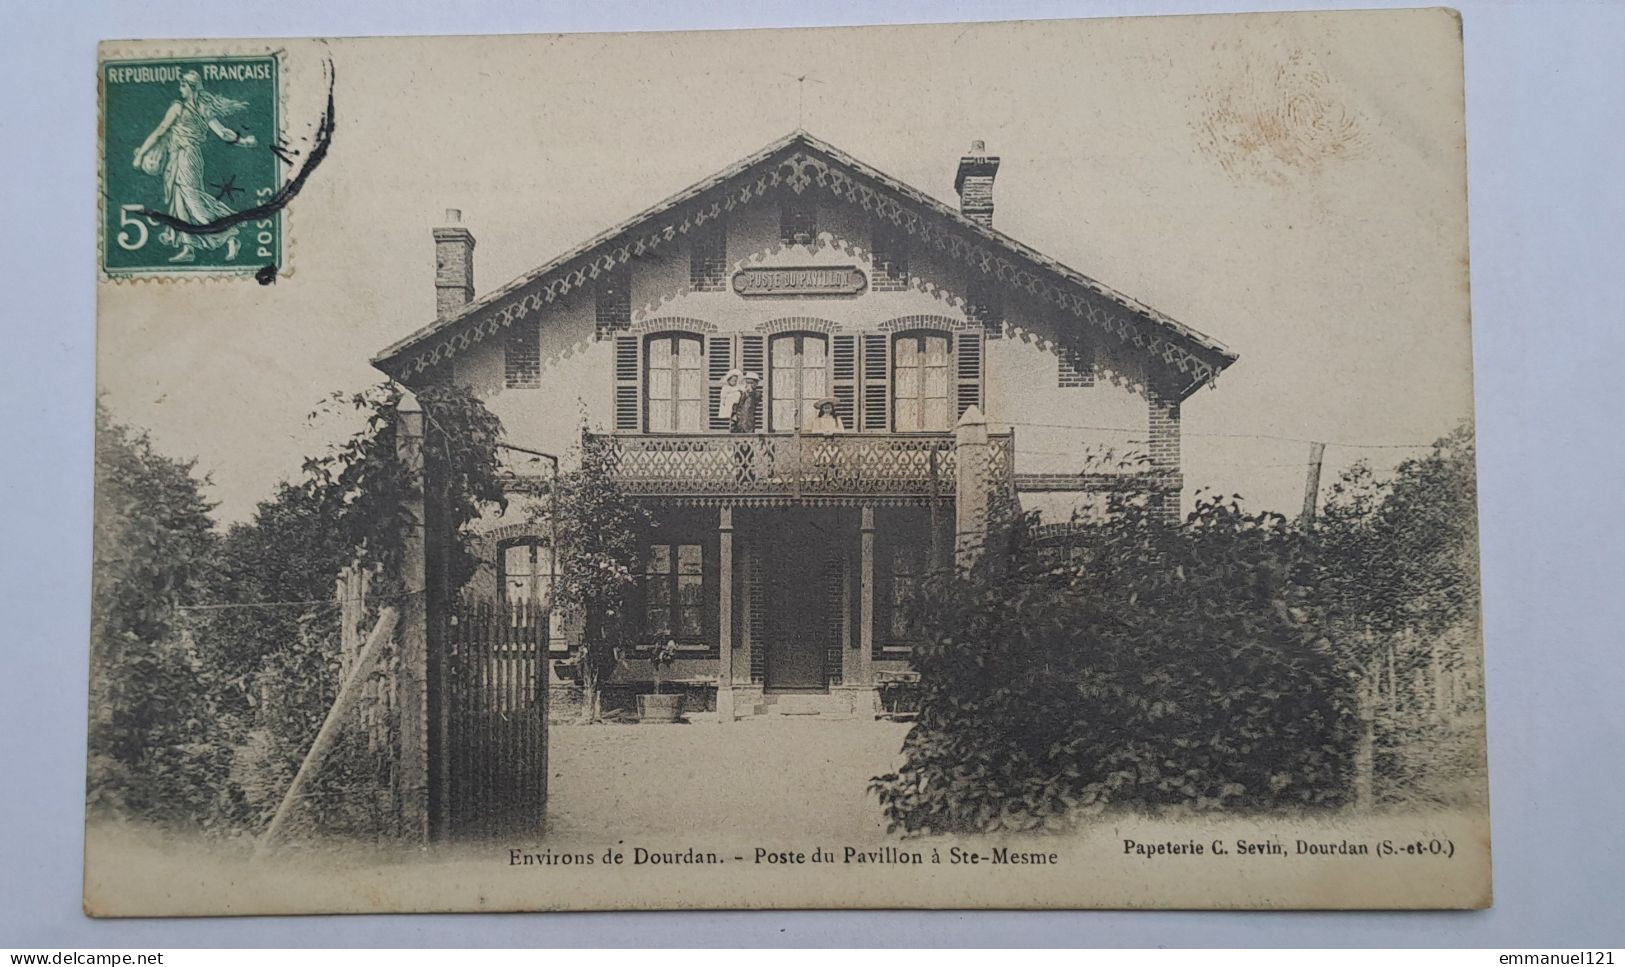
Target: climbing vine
(361, 484)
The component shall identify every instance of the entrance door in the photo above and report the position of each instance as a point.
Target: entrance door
(799, 626)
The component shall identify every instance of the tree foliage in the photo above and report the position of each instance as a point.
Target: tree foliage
(1397, 570)
(152, 702)
(1402, 552)
(201, 714)
(281, 641)
(599, 531)
(1168, 666)
(1233, 660)
(359, 487)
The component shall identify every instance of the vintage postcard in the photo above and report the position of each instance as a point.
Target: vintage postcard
(1004, 465)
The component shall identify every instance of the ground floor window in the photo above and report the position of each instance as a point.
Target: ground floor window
(907, 568)
(526, 572)
(674, 592)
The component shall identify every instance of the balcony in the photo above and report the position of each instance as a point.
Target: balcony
(796, 465)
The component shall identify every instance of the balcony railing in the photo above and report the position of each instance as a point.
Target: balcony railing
(796, 464)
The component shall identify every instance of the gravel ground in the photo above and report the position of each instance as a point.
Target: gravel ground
(775, 774)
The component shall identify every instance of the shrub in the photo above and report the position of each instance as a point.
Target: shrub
(153, 719)
(599, 533)
(1166, 667)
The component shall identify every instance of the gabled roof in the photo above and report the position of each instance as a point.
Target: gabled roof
(802, 163)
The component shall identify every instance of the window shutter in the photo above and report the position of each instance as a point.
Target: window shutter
(968, 372)
(719, 355)
(844, 379)
(627, 408)
(753, 359)
(876, 381)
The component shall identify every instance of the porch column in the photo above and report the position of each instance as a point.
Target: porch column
(866, 597)
(725, 614)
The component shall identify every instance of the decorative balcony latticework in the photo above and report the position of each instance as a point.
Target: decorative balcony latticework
(795, 466)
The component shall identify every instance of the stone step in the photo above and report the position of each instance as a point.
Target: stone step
(799, 703)
(826, 704)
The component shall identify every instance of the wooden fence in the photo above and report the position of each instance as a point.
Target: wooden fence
(493, 706)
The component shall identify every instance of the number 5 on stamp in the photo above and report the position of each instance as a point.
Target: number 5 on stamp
(187, 154)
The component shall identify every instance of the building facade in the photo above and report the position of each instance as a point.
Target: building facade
(962, 368)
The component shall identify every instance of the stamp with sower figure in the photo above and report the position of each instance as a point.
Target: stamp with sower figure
(191, 167)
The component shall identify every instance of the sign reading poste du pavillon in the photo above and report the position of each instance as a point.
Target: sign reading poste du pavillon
(839, 280)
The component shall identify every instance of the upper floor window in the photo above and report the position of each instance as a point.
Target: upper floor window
(674, 383)
(890, 257)
(1073, 368)
(708, 259)
(983, 305)
(798, 364)
(614, 309)
(798, 222)
(920, 382)
(522, 355)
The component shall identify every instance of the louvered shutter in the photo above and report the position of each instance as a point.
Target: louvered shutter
(719, 355)
(627, 410)
(876, 381)
(968, 372)
(844, 379)
(753, 359)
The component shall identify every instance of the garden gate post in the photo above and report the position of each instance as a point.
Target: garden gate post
(414, 629)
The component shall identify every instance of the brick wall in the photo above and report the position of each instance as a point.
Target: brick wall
(983, 305)
(614, 303)
(522, 355)
(708, 259)
(1163, 426)
(890, 258)
(798, 221)
(1074, 369)
(976, 199)
(755, 614)
(453, 270)
(974, 182)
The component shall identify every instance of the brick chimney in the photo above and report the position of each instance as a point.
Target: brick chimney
(974, 182)
(453, 266)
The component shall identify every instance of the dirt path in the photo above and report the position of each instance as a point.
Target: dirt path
(796, 777)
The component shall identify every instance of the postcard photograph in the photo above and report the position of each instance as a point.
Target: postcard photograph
(1002, 465)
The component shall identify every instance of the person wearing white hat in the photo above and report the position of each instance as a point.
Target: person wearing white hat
(826, 420)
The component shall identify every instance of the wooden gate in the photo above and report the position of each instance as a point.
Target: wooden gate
(494, 716)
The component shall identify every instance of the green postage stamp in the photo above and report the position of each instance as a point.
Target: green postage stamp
(191, 166)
